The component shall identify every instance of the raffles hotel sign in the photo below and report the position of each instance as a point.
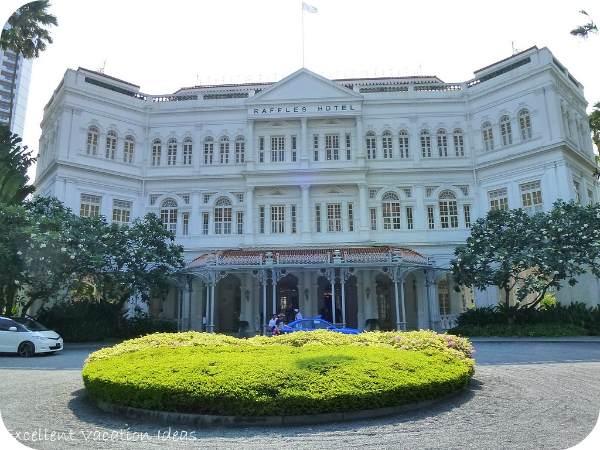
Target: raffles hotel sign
(303, 109)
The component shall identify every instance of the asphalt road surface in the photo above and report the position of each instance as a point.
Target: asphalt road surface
(525, 395)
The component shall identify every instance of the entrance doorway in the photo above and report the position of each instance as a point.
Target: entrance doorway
(384, 292)
(228, 304)
(287, 297)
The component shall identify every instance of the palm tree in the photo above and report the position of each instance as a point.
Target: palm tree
(27, 36)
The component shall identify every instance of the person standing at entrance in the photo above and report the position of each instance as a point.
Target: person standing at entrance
(298, 314)
(273, 324)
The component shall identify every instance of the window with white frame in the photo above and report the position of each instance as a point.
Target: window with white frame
(443, 297)
(459, 142)
(525, 124)
(448, 209)
(403, 143)
(240, 222)
(209, 147)
(391, 211)
(185, 223)
(318, 218)
(128, 148)
(121, 212)
(205, 222)
(277, 148)
(332, 147)
(223, 216)
(261, 219)
(425, 144)
(92, 141)
(240, 150)
(371, 142)
(261, 149)
(294, 148)
(111, 144)
(488, 136)
(505, 130)
(172, 152)
(315, 147)
(334, 217)
(350, 217)
(498, 199)
(386, 144)
(293, 219)
(90, 205)
(277, 219)
(373, 214)
(168, 214)
(348, 146)
(467, 214)
(442, 143)
(187, 151)
(409, 218)
(430, 217)
(224, 151)
(531, 196)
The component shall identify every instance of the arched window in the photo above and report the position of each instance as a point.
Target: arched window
(442, 143)
(223, 216)
(111, 144)
(208, 150)
(172, 152)
(168, 214)
(459, 142)
(403, 144)
(156, 152)
(525, 124)
(187, 151)
(371, 145)
(92, 141)
(505, 130)
(224, 150)
(448, 209)
(386, 144)
(240, 149)
(488, 136)
(425, 144)
(391, 211)
(128, 147)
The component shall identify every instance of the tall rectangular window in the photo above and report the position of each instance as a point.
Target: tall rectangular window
(332, 147)
(373, 212)
(403, 144)
(261, 149)
(348, 146)
(318, 218)
(391, 215)
(261, 219)
(187, 152)
(277, 219)
(531, 195)
(121, 212)
(294, 148)
(316, 147)
(430, 217)
(498, 199)
(90, 205)
(467, 211)
(459, 143)
(240, 222)
(277, 148)
(448, 213)
(409, 218)
(350, 217)
(204, 223)
(293, 219)
(334, 217)
(185, 221)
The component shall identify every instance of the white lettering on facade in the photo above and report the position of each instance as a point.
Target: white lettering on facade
(299, 109)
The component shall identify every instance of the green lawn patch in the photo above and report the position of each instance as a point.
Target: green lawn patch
(302, 373)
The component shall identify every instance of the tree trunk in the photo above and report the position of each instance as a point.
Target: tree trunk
(9, 299)
(11, 106)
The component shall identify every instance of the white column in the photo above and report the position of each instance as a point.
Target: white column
(397, 303)
(264, 302)
(333, 296)
(343, 283)
(195, 215)
(402, 303)
(274, 292)
(363, 209)
(360, 148)
(420, 211)
(304, 154)
(206, 312)
(249, 156)
(211, 326)
(305, 228)
(249, 215)
(434, 312)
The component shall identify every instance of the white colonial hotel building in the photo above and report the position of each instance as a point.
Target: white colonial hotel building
(344, 198)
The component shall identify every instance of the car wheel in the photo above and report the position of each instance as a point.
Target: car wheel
(26, 349)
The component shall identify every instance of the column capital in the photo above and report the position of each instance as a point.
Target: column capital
(305, 187)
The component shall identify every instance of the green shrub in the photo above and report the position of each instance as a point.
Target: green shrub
(532, 330)
(302, 373)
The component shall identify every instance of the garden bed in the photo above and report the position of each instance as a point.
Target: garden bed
(298, 374)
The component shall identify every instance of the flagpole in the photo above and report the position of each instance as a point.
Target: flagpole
(302, 9)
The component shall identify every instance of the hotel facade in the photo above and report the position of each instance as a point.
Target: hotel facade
(344, 198)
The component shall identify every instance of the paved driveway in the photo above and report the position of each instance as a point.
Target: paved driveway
(526, 395)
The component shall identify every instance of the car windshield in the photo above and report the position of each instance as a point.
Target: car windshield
(30, 324)
(321, 324)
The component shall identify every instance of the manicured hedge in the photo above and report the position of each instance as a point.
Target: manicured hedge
(302, 373)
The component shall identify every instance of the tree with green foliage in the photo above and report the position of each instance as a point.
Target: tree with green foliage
(594, 121)
(27, 35)
(14, 163)
(530, 255)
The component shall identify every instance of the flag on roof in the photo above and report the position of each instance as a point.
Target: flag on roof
(309, 8)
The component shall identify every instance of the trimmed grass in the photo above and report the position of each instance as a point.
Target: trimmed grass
(301, 373)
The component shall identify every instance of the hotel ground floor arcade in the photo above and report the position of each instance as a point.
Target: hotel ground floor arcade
(237, 291)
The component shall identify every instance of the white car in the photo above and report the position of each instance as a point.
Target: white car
(26, 337)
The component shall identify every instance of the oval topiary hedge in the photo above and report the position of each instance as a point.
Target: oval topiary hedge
(301, 373)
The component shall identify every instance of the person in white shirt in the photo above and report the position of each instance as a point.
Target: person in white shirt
(273, 323)
(298, 314)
